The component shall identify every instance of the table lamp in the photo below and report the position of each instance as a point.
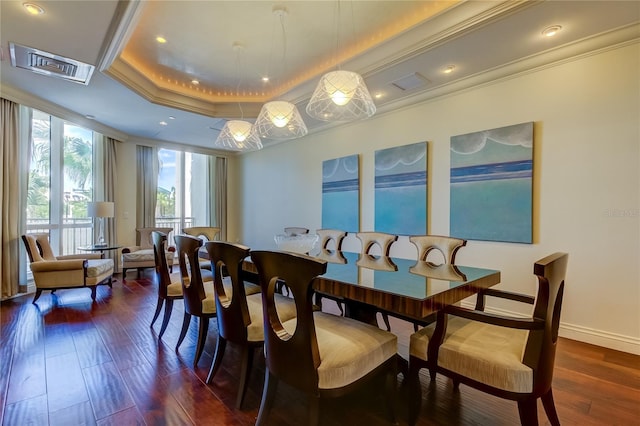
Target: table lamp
(101, 209)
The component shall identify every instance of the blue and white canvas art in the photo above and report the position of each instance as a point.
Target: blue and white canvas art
(341, 193)
(492, 184)
(401, 189)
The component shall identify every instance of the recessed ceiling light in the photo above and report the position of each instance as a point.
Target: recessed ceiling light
(90, 117)
(163, 123)
(161, 40)
(195, 82)
(378, 95)
(171, 117)
(265, 79)
(551, 31)
(33, 8)
(449, 69)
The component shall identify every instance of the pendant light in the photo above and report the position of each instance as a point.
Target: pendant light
(341, 96)
(280, 119)
(238, 135)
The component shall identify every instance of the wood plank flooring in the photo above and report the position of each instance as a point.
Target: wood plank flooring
(67, 361)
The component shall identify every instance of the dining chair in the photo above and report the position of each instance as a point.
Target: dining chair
(320, 354)
(382, 240)
(508, 357)
(239, 316)
(447, 247)
(207, 233)
(437, 249)
(371, 240)
(169, 288)
(330, 246)
(197, 302)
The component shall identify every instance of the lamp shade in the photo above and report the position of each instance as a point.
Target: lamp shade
(341, 96)
(280, 120)
(238, 135)
(100, 209)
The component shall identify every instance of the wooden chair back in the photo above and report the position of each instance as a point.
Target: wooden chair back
(192, 286)
(162, 268)
(209, 232)
(327, 236)
(447, 246)
(295, 358)
(380, 239)
(231, 309)
(540, 350)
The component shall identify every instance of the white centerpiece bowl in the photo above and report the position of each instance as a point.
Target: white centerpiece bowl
(301, 243)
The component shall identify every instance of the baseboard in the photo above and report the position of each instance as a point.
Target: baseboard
(592, 336)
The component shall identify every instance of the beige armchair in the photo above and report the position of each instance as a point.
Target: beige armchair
(140, 256)
(52, 272)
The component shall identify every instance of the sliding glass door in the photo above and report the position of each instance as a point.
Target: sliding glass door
(60, 182)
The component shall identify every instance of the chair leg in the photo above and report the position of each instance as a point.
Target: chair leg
(268, 395)
(185, 327)
(314, 410)
(550, 408)
(221, 344)
(93, 292)
(202, 337)
(415, 393)
(528, 411)
(124, 274)
(158, 309)
(168, 308)
(245, 373)
(341, 308)
(37, 295)
(391, 381)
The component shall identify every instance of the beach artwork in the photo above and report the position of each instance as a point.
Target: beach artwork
(492, 184)
(341, 194)
(401, 189)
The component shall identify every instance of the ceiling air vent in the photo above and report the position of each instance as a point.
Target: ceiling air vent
(411, 81)
(46, 63)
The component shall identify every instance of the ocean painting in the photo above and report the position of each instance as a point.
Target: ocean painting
(401, 190)
(492, 185)
(341, 194)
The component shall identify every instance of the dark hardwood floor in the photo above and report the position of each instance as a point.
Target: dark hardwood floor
(67, 361)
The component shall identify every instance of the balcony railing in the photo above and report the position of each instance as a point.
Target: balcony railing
(79, 232)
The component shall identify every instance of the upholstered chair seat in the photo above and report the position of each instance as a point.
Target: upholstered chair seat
(320, 354)
(349, 349)
(141, 256)
(486, 353)
(52, 272)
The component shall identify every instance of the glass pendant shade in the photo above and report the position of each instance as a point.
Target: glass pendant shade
(280, 120)
(239, 135)
(341, 96)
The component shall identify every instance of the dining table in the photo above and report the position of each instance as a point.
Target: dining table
(406, 288)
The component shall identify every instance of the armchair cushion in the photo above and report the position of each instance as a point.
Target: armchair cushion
(141, 255)
(486, 353)
(349, 349)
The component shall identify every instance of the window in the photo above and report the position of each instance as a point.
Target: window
(184, 196)
(60, 182)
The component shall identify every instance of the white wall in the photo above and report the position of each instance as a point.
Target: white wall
(586, 179)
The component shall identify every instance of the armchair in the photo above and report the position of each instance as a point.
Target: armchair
(52, 272)
(140, 256)
(511, 358)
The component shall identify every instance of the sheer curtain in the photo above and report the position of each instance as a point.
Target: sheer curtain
(218, 185)
(147, 185)
(14, 169)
